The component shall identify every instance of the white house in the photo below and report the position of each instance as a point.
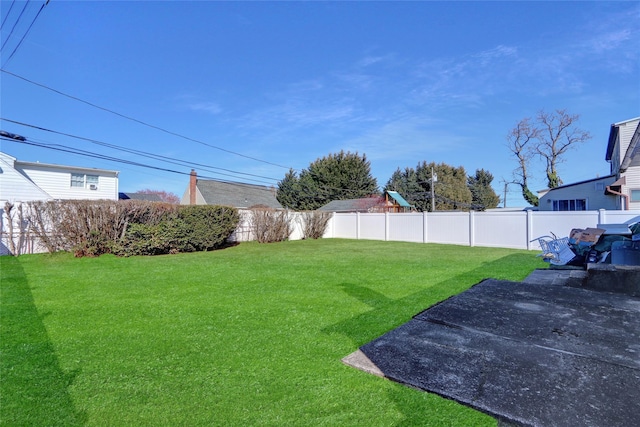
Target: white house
(623, 153)
(27, 181)
(618, 191)
(579, 196)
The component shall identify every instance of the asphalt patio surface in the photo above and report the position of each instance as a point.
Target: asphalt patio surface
(544, 352)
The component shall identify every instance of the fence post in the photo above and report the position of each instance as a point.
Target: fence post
(602, 216)
(472, 228)
(529, 228)
(386, 226)
(357, 225)
(424, 227)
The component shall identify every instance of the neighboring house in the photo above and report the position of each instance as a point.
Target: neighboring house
(623, 153)
(391, 202)
(579, 196)
(238, 195)
(618, 191)
(27, 181)
(140, 196)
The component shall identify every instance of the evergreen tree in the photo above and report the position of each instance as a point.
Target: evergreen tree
(288, 190)
(340, 176)
(451, 192)
(405, 182)
(482, 194)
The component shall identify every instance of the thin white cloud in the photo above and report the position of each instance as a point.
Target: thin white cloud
(411, 137)
(380, 110)
(488, 57)
(370, 60)
(611, 40)
(206, 107)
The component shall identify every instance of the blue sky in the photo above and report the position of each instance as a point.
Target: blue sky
(265, 86)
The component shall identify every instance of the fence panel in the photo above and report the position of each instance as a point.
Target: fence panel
(297, 226)
(500, 229)
(344, 225)
(373, 226)
(448, 227)
(406, 227)
(560, 223)
(619, 217)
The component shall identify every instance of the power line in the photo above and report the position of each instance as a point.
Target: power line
(26, 32)
(144, 153)
(7, 15)
(63, 148)
(15, 24)
(66, 149)
(140, 121)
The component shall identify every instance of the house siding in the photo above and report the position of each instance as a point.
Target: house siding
(56, 180)
(27, 181)
(632, 176)
(615, 159)
(592, 191)
(16, 187)
(626, 131)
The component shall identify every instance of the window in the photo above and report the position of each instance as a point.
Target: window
(92, 182)
(80, 180)
(635, 196)
(570, 205)
(77, 180)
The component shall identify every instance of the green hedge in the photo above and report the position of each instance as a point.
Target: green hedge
(195, 228)
(130, 227)
(208, 227)
(154, 239)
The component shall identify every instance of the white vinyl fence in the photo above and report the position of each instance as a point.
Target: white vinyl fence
(244, 231)
(509, 229)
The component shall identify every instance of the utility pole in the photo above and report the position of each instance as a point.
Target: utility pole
(434, 179)
(504, 198)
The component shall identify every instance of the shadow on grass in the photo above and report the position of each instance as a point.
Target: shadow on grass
(33, 388)
(387, 314)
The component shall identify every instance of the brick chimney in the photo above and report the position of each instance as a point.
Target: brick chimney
(193, 179)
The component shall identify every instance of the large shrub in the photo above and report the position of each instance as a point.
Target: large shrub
(270, 225)
(131, 227)
(91, 227)
(208, 227)
(314, 223)
(166, 237)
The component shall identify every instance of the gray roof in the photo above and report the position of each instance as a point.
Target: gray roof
(237, 194)
(140, 196)
(351, 205)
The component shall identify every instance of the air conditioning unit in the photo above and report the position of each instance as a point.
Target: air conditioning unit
(93, 187)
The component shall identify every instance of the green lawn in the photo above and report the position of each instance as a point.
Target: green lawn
(246, 336)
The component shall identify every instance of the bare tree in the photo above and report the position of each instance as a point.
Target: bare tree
(557, 134)
(548, 138)
(164, 196)
(270, 225)
(521, 141)
(314, 223)
(15, 217)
